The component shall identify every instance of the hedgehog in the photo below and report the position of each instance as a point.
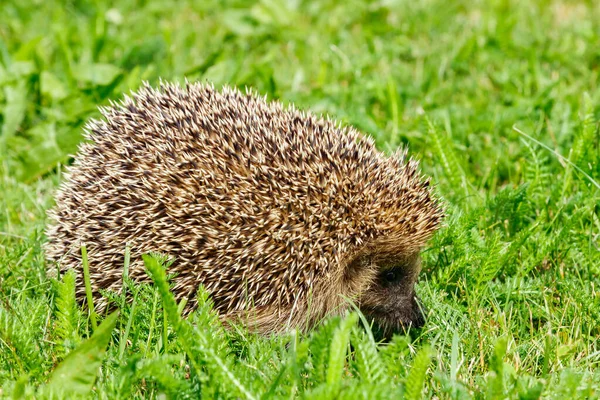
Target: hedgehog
(283, 216)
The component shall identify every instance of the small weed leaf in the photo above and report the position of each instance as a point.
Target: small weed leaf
(14, 110)
(368, 361)
(589, 126)
(453, 171)
(76, 374)
(337, 352)
(511, 208)
(415, 381)
(320, 342)
(538, 174)
(496, 380)
(67, 313)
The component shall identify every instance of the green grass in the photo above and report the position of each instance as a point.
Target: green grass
(500, 101)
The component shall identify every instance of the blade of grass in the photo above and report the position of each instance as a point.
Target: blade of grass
(88, 287)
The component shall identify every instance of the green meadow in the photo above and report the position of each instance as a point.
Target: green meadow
(498, 99)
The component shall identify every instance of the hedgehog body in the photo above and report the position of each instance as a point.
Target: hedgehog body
(278, 213)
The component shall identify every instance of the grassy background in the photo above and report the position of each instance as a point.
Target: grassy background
(511, 282)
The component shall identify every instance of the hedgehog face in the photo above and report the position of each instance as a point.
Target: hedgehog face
(390, 301)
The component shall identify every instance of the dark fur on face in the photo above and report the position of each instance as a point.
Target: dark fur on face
(390, 301)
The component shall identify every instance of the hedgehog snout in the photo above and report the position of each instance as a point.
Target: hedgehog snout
(397, 313)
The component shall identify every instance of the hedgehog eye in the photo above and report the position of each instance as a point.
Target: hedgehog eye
(391, 276)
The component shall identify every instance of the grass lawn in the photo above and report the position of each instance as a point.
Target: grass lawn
(499, 99)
